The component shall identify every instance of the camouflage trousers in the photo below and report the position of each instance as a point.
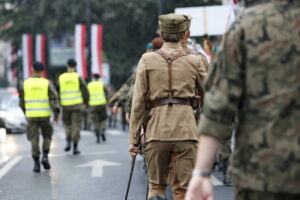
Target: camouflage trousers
(72, 123)
(225, 149)
(246, 194)
(98, 117)
(34, 128)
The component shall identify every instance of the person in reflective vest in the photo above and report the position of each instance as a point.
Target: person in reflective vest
(97, 106)
(37, 98)
(74, 97)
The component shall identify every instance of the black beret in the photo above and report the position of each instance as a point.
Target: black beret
(71, 62)
(38, 66)
(96, 76)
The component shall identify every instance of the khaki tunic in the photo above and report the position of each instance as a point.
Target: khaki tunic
(203, 59)
(166, 123)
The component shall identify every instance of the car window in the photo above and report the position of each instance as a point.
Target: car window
(4, 99)
(14, 102)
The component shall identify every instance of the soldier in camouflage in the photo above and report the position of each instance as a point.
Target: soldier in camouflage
(256, 78)
(119, 99)
(97, 106)
(37, 96)
(74, 98)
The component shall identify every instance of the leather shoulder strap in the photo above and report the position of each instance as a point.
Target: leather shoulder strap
(169, 60)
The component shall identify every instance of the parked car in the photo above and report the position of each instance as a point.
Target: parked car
(11, 115)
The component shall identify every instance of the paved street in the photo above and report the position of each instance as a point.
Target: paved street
(100, 172)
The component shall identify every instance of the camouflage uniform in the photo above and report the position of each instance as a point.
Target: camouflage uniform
(41, 123)
(116, 98)
(255, 77)
(72, 115)
(119, 99)
(98, 116)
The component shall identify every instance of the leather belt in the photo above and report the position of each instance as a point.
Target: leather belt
(168, 101)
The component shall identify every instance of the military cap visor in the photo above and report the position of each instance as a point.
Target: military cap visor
(172, 23)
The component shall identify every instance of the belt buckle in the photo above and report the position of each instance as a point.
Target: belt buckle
(170, 102)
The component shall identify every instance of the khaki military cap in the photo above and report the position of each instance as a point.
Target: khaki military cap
(172, 23)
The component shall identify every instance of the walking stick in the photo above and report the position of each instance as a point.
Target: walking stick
(130, 177)
(147, 190)
(132, 168)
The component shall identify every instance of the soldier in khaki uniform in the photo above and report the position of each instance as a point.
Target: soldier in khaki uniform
(97, 106)
(255, 79)
(166, 83)
(37, 98)
(73, 98)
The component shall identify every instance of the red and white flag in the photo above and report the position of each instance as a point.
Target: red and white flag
(96, 47)
(80, 50)
(27, 55)
(40, 50)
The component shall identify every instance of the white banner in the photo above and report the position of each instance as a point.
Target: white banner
(27, 55)
(96, 47)
(80, 49)
(40, 50)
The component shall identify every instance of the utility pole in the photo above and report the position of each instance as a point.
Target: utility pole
(159, 9)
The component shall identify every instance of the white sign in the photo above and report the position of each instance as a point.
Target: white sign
(97, 166)
(59, 56)
(211, 20)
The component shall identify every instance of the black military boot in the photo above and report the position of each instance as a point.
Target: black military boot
(75, 150)
(157, 198)
(98, 137)
(37, 166)
(103, 135)
(45, 161)
(68, 146)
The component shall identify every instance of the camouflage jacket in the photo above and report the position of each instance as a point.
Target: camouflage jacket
(119, 98)
(256, 76)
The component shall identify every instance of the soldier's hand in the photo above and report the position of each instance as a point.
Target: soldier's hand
(133, 150)
(56, 120)
(114, 109)
(84, 106)
(200, 188)
(127, 116)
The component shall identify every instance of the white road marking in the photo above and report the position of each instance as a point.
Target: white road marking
(115, 132)
(6, 158)
(215, 181)
(85, 154)
(97, 166)
(9, 166)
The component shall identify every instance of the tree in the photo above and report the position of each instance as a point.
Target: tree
(128, 24)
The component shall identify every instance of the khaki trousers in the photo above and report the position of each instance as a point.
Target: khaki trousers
(170, 162)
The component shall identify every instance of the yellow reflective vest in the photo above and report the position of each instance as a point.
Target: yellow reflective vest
(97, 94)
(69, 88)
(36, 97)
